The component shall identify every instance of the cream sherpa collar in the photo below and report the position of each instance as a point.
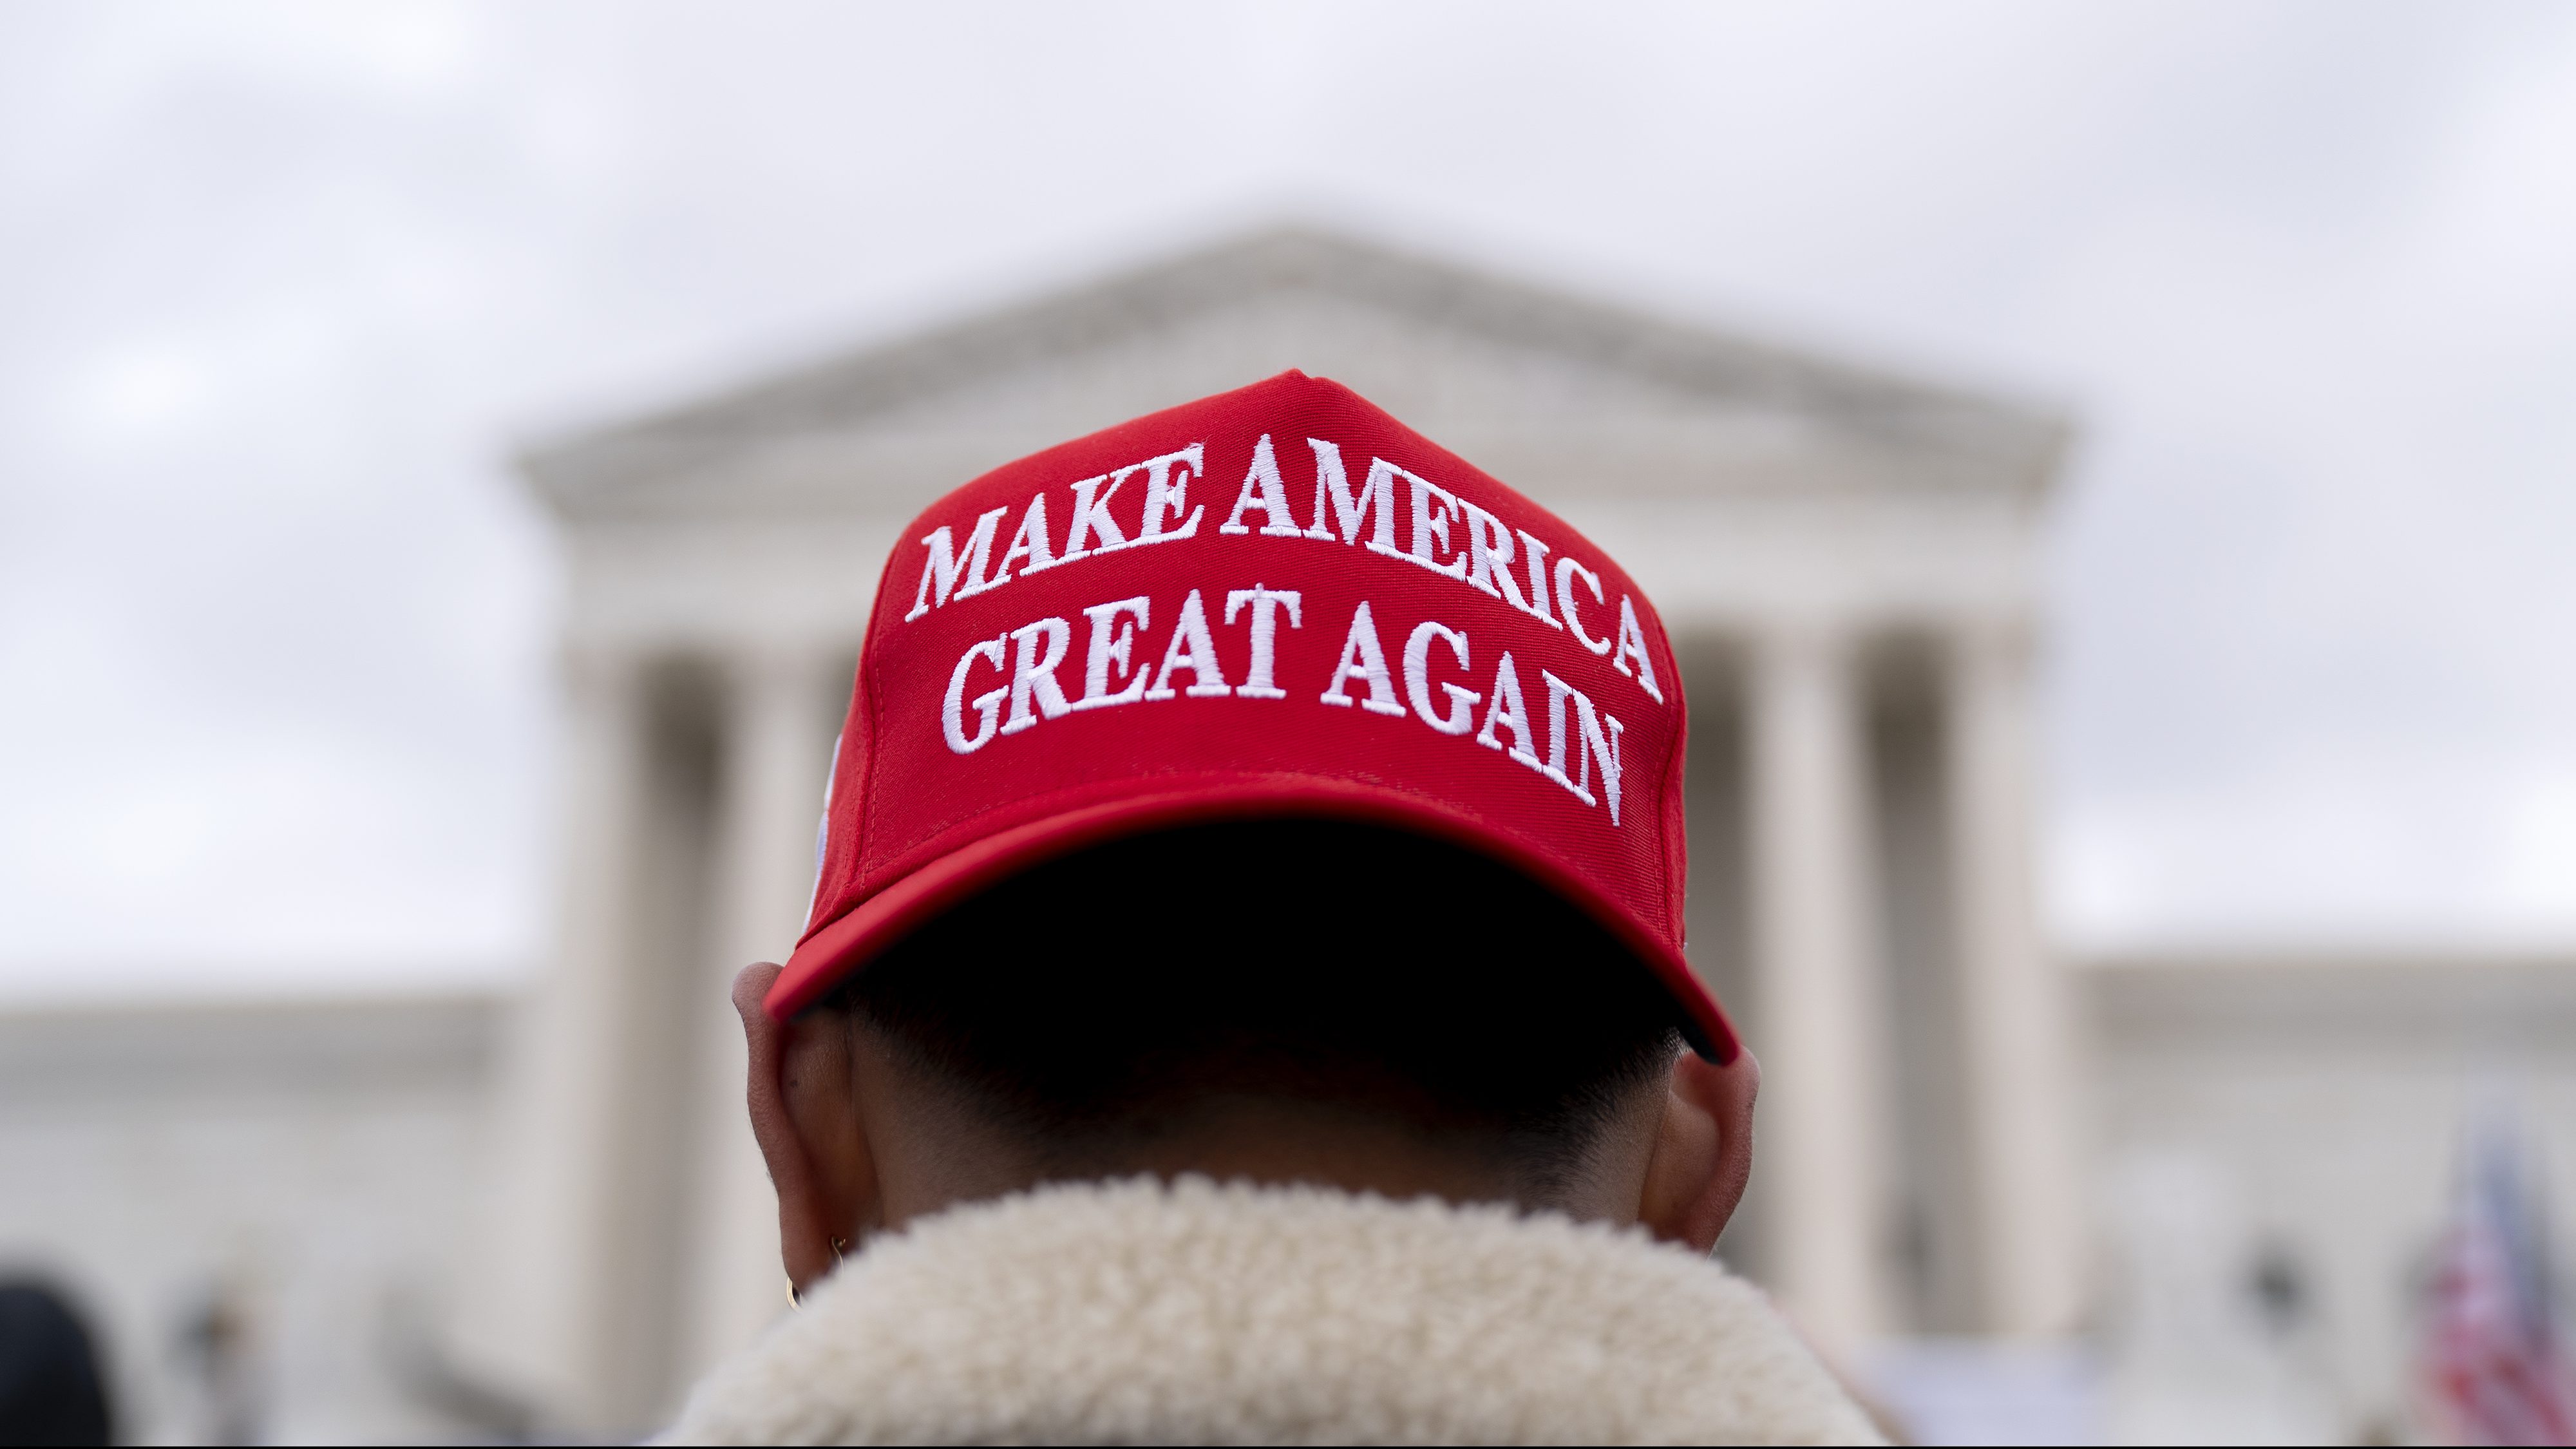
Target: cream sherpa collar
(1135, 1312)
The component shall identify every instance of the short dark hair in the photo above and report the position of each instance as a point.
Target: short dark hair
(51, 1387)
(1094, 999)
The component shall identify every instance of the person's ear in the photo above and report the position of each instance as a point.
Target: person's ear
(805, 1115)
(1703, 1150)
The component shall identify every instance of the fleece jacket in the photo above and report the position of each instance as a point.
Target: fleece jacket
(1144, 1312)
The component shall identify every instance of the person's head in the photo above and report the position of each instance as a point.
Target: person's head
(1279, 1000)
(1170, 834)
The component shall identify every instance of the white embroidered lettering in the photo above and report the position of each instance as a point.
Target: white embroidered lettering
(1033, 676)
(942, 567)
(1603, 745)
(1489, 556)
(939, 569)
(1113, 641)
(1363, 657)
(1193, 649)
(1030, 543)
(1566, 569)
(1554, 769)
(1091, 518)
(1632, 645)
(987, 704)
(1594, 743)
(1510, 711)
(1167, 492)
(1264, 489)
(1333, 489)
(1257, 682)
(1417, 679)
(1431, 526)
(1534, 553)
(1583, 742)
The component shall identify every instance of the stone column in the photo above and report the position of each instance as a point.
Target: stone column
(777, 730)
(2014, 1011)
(1819, 1152)
(537, 1293)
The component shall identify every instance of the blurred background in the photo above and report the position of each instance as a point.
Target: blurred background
(2111, 472)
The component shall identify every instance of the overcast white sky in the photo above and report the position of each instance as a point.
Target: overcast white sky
(282, 286)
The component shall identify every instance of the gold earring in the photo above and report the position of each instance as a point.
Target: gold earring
(795, 1295)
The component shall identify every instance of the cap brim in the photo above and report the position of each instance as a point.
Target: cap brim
(828, 956)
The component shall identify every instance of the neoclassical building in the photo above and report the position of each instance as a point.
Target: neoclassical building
(500, 1213)
(1848, 563)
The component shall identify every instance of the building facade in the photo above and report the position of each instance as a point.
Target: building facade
(267, 1211)
(2282, 1139)
(260, 1208)
(1847, 562)
(2209, 1187)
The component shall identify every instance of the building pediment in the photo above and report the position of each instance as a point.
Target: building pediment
(1564, 397)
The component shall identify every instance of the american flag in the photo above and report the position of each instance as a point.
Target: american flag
(2495, 1366)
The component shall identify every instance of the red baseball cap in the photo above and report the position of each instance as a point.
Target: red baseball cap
(1274, 602)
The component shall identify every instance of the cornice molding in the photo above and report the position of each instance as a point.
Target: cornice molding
(2015, 445)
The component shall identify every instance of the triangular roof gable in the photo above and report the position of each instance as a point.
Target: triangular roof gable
(1942, 433)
